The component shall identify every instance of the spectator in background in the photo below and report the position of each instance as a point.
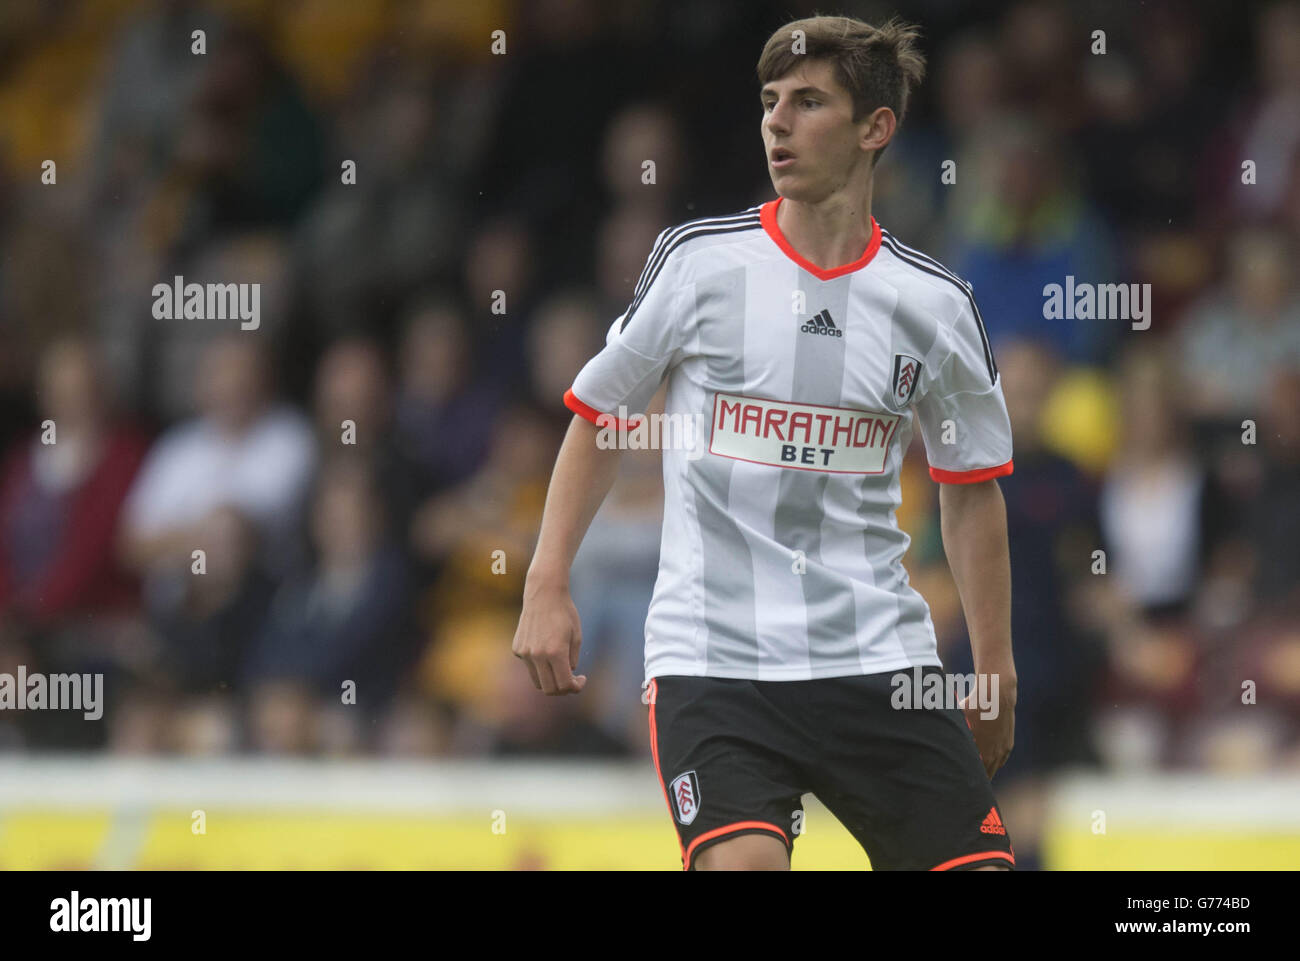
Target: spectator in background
(636, 134)
(1243, 331)
(1290, 214)
(1163, 518)
(1271, 134)
(401, 222)
(1052, 527)
(971, 85)
(243, 449)
(44, 259)
(1152, 97)
(175, 352)
(1254, 604)
(354, 412)
(626, 238)
(908, 195)
(60, 501)
(564, 333)
(66, 604)
(1031, 227)
(481, 535)
(1040, 57)
(1274, 532)
(150, 81)
(1273, 515)
(233, 164)
(206, 636)
(14, 651)
(569, 47)
(338, 638)
(500, 285)
(1161, 513)
(445, 408)
(249, 152)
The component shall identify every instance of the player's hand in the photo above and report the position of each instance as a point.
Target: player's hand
(994, 736)
(548, 639)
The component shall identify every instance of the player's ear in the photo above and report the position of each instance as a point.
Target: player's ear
(877, 129)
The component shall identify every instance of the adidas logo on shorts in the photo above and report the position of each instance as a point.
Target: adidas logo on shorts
(822, 324)
(992, 823)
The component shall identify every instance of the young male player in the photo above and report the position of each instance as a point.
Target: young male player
(809, 341)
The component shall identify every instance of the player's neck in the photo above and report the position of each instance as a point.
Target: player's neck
(830, 232)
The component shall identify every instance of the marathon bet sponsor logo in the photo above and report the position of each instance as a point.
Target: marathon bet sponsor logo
(918, 690)
(801, 436)
(102, 915)
(822, 324)
(1098, 302)
(52, 692)
(181, 301)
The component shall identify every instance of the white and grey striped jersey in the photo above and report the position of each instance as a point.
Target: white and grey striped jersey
(780, 557)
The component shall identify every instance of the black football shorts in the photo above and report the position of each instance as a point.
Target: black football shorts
(736, 757)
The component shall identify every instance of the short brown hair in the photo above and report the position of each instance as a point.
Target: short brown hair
(879, 66)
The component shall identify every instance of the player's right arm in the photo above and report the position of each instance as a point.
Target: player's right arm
(549, 634)
(610, 391)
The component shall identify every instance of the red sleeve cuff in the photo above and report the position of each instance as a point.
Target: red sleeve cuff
(590, 413)
(970, 476)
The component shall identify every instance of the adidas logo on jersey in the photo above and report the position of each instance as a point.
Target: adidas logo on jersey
(822, 324)
(992, 823)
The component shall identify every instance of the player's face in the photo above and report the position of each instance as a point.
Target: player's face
(813, 146)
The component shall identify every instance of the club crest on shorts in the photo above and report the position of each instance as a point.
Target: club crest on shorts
(907, 371)
(685, 794)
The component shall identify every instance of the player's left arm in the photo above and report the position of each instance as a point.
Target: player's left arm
(973, 520)
(963, 419)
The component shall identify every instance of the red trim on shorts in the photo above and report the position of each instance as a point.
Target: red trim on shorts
(654, 753)
(970, 476)
(730, 828)
(968, 858)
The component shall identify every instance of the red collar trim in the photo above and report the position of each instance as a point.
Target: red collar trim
(767, 216)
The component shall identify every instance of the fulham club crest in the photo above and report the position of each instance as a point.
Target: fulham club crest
(907, 371)
(685, 794)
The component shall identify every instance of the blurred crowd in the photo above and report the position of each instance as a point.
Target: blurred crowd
(362, 476)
